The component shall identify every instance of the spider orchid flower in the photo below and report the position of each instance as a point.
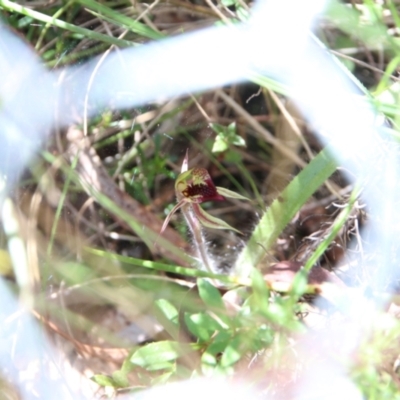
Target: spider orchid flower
(195, 186)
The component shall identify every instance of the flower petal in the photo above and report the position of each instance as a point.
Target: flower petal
(185, 162)
(171, 213)
(228, 193)
(209, 221)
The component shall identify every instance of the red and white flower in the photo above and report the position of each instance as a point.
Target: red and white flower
(195, 186)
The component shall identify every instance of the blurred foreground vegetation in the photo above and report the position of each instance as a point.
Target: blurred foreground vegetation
(128, 300)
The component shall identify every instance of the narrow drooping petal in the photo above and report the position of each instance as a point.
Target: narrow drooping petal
(171, 213)
(209, 221)
(228, 193)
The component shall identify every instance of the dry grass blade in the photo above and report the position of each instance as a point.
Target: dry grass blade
(116, 309)
(263, 132)
(289, 133)
(93, 173)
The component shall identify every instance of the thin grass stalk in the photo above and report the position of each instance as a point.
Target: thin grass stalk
(199, 240)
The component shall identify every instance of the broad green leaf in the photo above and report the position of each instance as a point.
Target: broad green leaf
(162, 365)
(169, 310)
(210, 295)
(163, 378)
(234, 351)
(226, 138)
(168, 316)
(213, 300)
(282, 211)
(219, 145)
(159, 355)
(219, 342)
(202, 325)
(120, 377)
(209, 358)
(104, 380)
(263, 337)
(279, 313)
(260, 298)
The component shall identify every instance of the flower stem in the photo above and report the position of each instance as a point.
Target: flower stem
(198, 237)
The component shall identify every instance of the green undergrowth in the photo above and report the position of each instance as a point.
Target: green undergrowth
(199, 323)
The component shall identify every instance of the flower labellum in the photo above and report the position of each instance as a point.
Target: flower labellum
(195, 186)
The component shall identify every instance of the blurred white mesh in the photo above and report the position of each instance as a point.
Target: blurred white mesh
(276, 42)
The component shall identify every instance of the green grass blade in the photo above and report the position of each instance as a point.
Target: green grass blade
(269, 83)
(336, 227)
(70, 58)
(59, 207)
(86, 33)
(57, 14)
(157, 266)
(121, 19)
(282, 210)
(149, 237)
